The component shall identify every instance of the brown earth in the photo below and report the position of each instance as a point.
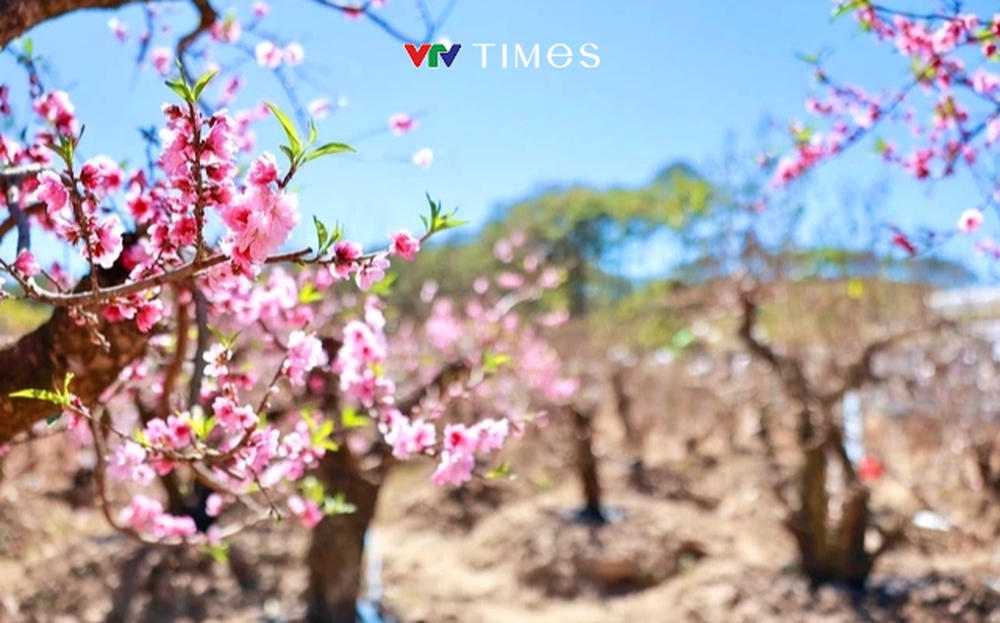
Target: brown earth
(704, 544)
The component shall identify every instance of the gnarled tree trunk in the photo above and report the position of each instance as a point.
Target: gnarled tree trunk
(42, 358)
(586, 464)
(19, 16)
(336, 553)
(828, 551)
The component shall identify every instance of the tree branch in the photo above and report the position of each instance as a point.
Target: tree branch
(41, 360)
(788, 369)
(19, 16)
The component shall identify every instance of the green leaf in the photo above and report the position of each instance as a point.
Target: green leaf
(503, 471)
(29, 47)
(446, 222)
(383, 288)
(350, 418)
(322, 434)
(307, 417)
(435, 207)
(202, 426)
(328, 444)
(338, 505)
(288, 152)
(338, 233)
(681, 340)
(52, 419)
(293, 136)
(328, 149)
(41, 394)
(449, 223)
(209, 426)
(227, 340)
(312, 132)
(312, 489)
(202, 82)
(491, 362)
(438, 221)
(218, 551)
(181, 88)
(846, 7)
(322, 235)
(309, 294)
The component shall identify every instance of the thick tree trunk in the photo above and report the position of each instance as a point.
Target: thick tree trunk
(638, 478)
(19, 16)
(587, 467)
(41, 359)
(830, 552)
(336, 554)
(809, 523)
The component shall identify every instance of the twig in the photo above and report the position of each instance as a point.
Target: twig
(207, 18)
(201, 321)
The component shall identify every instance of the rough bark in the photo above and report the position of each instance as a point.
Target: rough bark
(587, 467)
(41, 359)
(829, 551)
(19, 16)
(638, 478)
(336, 553)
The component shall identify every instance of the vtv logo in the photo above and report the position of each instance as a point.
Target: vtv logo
(435, 51)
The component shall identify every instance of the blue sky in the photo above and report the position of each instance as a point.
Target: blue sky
(675, 77)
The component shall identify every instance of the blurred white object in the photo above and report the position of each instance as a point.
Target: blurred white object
(927, 520)
(424, 157)
(854, 428)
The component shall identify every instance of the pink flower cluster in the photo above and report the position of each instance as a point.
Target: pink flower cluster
(461, 444)
(146, 516)
(71, 205)
(360, 362)
(950, 59)
(261, 218)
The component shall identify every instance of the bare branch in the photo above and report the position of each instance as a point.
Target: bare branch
(790, 370)
(207, 18)
(201, 321)
(431, 25)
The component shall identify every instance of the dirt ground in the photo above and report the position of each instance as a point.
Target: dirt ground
(704, 545)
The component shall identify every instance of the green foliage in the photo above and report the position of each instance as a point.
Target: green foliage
(847, 6)
(296, 150)
(439, 220)
(312, 489)
(201, 426)
(337, 505)
(218, 551)
(324, 239)
(309, 294)
(350, 418)
(502, 472)
(61, 398)
(493, 362)
(320, 432)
